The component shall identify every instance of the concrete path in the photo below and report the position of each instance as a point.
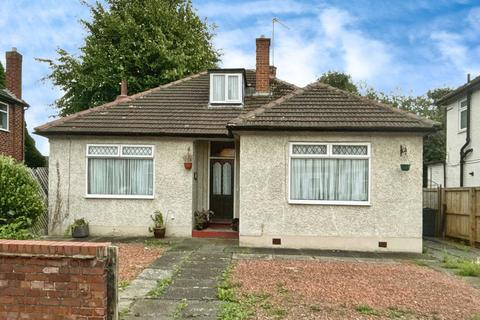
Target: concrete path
(438, 248)
(191, 271)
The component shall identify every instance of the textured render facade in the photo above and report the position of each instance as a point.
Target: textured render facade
(254, 135)
(173, 187)
(394, 213)
(456, 139)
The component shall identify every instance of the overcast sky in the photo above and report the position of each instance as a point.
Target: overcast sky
(407, 46)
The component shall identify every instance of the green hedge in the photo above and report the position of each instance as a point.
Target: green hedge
(20, 202)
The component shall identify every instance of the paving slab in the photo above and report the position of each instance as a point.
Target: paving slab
(154, 274)
(149, 309)
(190, 293)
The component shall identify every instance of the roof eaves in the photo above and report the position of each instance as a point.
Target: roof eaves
(462, 90)
(11, 97)
(43, 128)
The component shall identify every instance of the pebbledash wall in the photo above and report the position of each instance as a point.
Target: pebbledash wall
(57, 280)
(172, 189)
(394, 215)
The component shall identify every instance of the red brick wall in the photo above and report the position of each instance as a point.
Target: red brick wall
(263, 65)
(12, 141)
(53, 280)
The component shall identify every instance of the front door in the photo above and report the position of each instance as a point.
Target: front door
(221, 188)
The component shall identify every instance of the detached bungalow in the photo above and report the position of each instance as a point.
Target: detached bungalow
(312, 167)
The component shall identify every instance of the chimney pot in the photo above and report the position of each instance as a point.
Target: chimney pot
(262, 84)
(13, 72)
(123, 90)
(468, 77)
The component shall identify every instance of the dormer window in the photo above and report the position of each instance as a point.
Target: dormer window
(226, 88)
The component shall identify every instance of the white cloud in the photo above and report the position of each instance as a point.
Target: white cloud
(244, 9)
(311, 45)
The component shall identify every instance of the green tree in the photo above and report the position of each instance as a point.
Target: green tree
(339, 80)
(20, 202)
(2, 77)
(33, 157)
(146, 42)
(434, 144)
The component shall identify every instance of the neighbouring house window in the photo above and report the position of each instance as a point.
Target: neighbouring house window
(329, 173)
(463, 115)
(225, 88)
(4, 116)
(120, 170)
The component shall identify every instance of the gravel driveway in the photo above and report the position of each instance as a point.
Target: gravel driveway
(353, 290)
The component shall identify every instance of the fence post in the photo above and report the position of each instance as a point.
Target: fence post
(472, 206)
(443, 210)
(438, 220)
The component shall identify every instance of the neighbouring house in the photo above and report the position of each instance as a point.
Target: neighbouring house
(12, 109)
(312, 167)
(462, 164)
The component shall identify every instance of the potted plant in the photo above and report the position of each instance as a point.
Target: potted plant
(187, 160)
(202, 219)
(405, 166)
(235, 224)
(158, 228)
(79, 228)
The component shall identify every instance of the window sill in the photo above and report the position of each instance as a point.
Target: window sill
(331, 203)
(214, 105)
(462, 130)
(113, 196)
(4, 130)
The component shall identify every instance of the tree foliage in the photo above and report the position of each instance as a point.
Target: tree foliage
(20, 202)
(434, 148)
(339, 80)
(2, 77)
(146, 42)
(33, 157)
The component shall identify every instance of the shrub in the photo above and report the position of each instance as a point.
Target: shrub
(20, 202)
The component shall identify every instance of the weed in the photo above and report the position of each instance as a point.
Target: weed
(475, 317)
(468, 268)
(177, 314)
(396, 313)
(123, 284)
(315, 307)
(366, 310)
(449, 263)
(160, 287)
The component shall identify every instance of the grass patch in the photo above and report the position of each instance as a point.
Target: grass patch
(244, 307)
(475, 317)
(468, 268)
(464, 268)
(366, 310)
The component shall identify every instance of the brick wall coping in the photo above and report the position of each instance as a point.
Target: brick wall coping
(54, 248)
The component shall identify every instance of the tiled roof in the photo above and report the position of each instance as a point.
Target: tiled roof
(459, 92)
(181, 108)
(7, 96)
(319, 106)
(177, 108)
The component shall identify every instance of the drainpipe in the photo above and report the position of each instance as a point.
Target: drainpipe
(464, 151)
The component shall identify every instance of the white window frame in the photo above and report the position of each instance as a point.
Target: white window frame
(329, 155)
(119, 156)
(460, 110)
(239, 101)
(8, 117)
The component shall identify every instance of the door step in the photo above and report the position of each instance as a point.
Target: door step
(215, 233)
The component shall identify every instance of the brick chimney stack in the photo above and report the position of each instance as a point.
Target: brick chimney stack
(13, 72)
(263, 65)
(123, 91)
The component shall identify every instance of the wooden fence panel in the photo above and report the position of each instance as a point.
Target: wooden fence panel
(461, 209)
